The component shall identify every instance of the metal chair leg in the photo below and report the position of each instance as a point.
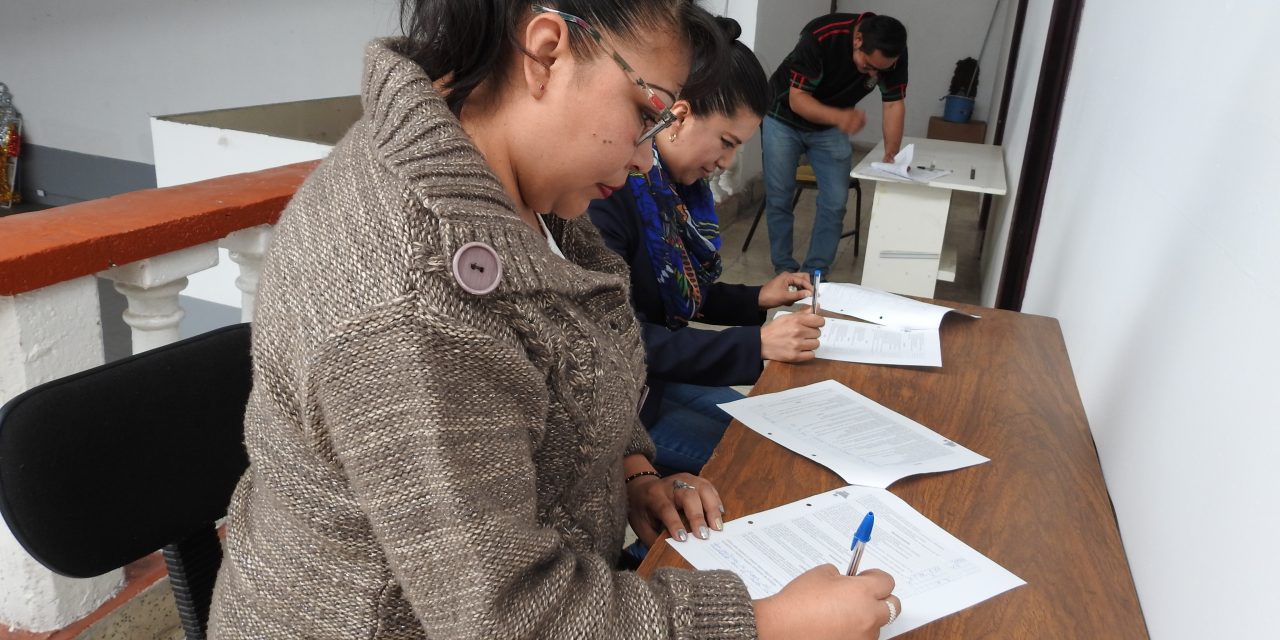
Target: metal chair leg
(857, 215)
(755, 223)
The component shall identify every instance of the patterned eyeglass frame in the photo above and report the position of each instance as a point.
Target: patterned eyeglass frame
(665, 117)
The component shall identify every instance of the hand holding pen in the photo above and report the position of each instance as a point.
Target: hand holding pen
(821, 603)
(860, 539)
(792, 337)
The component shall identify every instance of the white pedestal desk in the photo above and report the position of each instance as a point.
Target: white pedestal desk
(905, 251)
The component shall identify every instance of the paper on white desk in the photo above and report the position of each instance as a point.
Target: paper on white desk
(880, 307)
(936, 574)
(901, 167)
(849, 341)
(862, 441)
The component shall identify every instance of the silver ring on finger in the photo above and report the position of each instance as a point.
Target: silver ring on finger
(681, 484)
(893, 612)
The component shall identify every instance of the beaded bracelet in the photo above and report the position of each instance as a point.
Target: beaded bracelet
(641, 473)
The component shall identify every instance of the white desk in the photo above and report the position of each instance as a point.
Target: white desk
(909, 219)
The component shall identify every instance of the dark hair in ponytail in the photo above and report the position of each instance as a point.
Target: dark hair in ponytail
(739, 80)
(469, 42)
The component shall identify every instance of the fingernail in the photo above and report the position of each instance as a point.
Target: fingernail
(721, 508)
(704, 532)
(681, 535)
(718, 524)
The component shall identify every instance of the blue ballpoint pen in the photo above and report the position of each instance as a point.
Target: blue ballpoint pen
(817, 280)
(860, 540)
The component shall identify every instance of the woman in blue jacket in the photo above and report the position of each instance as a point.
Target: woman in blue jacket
(664, 224)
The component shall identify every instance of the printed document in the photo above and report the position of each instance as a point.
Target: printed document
(880, 307)
(936, 574)
(908, 337)
(850, 341)
(901, 167)
(863, 442)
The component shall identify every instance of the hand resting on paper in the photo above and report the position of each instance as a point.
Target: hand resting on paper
(821, 603)
(657, 504)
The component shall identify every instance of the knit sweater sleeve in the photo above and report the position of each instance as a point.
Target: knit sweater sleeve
(434, 424)
(640, 441)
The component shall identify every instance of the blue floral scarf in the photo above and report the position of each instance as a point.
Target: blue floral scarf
(682, 234)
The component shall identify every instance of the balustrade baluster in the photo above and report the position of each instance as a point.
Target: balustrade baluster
(247, 246)
(152, 286)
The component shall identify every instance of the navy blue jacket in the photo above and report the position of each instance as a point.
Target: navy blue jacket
(687, 355)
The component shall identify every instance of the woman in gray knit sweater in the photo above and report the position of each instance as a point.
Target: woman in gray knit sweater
(442, 432)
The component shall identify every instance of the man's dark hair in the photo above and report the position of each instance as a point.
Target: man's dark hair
(883, 34)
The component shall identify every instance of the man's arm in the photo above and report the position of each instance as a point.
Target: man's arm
(894, 115)
(808, 107)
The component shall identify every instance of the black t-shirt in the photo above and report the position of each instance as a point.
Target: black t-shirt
(822, 64)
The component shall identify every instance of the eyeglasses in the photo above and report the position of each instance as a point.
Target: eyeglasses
(664, 117)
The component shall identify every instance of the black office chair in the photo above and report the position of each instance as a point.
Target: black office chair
(806, 180)
(103, 467)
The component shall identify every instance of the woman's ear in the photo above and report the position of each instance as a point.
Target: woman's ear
(545, 45)
(681, 110)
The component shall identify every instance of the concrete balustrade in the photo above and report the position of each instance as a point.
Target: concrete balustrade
(147, 242)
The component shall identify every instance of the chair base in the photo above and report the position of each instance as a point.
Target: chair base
(193, 569)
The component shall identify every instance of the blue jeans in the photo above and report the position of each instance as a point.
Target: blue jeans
(831, 156)
(690, 425)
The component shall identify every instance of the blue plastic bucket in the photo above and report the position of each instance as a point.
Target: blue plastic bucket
(957, 108)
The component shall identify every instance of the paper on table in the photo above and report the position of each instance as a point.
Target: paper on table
(850, 341)
(936, 574)
(901, 167)
(842, 430)
(881, 307)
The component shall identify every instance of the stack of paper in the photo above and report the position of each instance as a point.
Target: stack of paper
(850, 434)
(935, 573)
(870, 445)
(881, 307)
(905, 330)
(901, 167)
(849, 341)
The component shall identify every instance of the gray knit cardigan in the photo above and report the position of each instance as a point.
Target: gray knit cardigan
(427, 462)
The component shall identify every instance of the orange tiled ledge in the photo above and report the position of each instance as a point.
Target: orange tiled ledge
(47, 247)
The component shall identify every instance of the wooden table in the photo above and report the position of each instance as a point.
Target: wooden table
(905, 249)
(1039, 507)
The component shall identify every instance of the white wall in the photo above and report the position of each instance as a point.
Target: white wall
(777, 29)
(746, 13)
(86, 75)
(1017, 124)
(778, 26)
(187, 153)
(1156, 251)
